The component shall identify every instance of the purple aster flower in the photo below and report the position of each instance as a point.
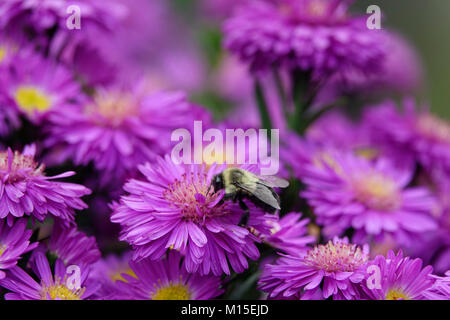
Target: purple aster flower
(36, 18)
(296, 153)
(167, 279)
(26, 191)
(14, 241)
(401, 278)
(36, 87)
(335, 130)
(108, 271)
(289, 234)
(121, 128)
(338, 267)
(415, 132)
(311, 35)
(401, 72)
(172, 208)
(232, 81)
(372, 197)
(58, 285)
(70, 246)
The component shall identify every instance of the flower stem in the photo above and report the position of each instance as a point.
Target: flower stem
(262, 106)
(309, 121)
(281, 93)
(300, 81)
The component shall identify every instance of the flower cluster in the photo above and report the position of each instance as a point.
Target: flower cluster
(172, 209)
(314, 35)
(101, 200)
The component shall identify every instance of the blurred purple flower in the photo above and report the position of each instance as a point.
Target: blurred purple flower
(337, 267)
(108, 271)
(167, 279)
(401, 72)
(440, 289)
(336, 130)
(36, 87)
(70, 246)
(9, 118)
(372, 197)
(14, 241)
(37, 17)
(415, 132)
(51, 286)
(218, 9)
(148, 40)
(121, 128)
(311, 35)
(289, 234)
(25, 190)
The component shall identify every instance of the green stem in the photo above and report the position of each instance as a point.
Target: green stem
(281, 93)
(321, 112)
(300, 81)
(244, 287)
(262, 106)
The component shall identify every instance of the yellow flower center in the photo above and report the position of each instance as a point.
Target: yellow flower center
(314, 230)
(59, 291)
(367, 152)
(32, 99)
(396, 294)
(2, 54)
(377, 191)
(116, 276)
(172, 291)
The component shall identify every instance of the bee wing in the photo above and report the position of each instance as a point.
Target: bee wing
(261, 192)
(274, 181)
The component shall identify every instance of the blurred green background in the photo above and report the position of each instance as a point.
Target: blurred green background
(426, 24)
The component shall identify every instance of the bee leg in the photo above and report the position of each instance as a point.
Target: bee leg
(244, 219)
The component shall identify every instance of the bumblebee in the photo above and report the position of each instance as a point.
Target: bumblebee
(241, 184)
